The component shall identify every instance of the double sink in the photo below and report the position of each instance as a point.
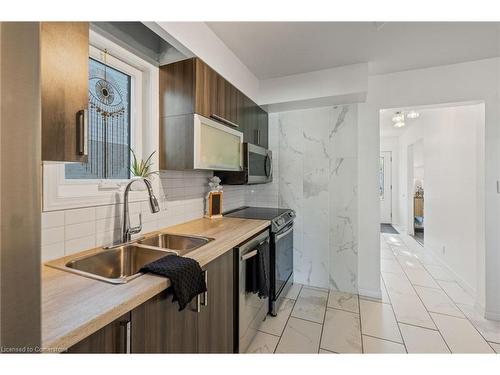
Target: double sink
(121, 263)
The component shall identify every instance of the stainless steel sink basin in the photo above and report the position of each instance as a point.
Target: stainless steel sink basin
(120, 264)
(181, 244)
(116, 265)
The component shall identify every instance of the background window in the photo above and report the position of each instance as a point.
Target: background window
(109, 126)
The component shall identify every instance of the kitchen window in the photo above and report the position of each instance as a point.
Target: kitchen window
(109, 125)
(123, 115)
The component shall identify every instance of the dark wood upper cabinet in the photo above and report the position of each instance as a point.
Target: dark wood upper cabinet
(64, 60)
(215, 320)
(261, 135)
(191, 86)
(177, 88)
(206, 89)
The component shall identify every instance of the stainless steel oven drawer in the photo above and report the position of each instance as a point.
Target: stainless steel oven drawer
(252, 309)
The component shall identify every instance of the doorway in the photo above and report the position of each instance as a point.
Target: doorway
(438, 184)
(385, 176)
(417, 189)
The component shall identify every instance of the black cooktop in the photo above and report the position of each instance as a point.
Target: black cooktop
(263, 213)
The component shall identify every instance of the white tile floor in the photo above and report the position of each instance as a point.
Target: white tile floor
(422, 310)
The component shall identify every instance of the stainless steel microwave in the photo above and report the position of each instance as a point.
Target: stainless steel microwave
(257, 167)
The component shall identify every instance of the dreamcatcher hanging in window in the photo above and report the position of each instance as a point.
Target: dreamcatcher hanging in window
(109, 125)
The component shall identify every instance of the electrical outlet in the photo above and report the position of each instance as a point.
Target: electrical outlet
(444, 250)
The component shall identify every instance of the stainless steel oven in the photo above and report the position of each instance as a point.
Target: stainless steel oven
(257, 167)
(281, 249)
(252, 309)
(282, 265)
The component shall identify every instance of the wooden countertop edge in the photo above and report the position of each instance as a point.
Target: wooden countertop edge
(91, 326)
(83, 331)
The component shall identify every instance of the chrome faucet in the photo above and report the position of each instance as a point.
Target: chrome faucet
(128, 231)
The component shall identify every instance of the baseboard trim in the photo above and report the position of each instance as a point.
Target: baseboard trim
(370, 293)
(491, 315)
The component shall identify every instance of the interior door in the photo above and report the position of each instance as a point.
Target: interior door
(385, 180)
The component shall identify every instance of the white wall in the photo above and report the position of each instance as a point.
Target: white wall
(331, 83)
(471, 81)
(445, 143)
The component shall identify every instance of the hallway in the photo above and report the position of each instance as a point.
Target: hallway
(423, 310)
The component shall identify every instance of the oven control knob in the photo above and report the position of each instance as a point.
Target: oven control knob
(280, 221)
(291, 214)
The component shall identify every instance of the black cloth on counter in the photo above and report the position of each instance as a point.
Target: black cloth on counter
(185, 274)
(257, 271)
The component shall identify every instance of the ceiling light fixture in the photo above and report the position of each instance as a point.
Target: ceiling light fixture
(413, 115)
(399, 124)
(398, 117)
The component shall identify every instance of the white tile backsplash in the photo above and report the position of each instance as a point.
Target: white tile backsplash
(79, 244)
(79, 230)
(52, 235)
(80, 215)
(70, 231)
(52, 251)
(52, 219)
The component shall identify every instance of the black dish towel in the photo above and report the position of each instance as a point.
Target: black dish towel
(257, 271)
(185, 274)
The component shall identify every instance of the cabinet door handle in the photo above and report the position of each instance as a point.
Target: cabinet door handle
(198, 303)
(257, 136)
(83, 131)
(205, 295)
(126, 329)
(222, 119)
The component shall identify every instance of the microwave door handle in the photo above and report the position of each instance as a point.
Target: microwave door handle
(266, 161)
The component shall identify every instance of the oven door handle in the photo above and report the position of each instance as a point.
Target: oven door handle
(253, 253)
(281, 235)
(249, 255)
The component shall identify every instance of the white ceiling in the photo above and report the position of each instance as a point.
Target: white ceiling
(276, 49)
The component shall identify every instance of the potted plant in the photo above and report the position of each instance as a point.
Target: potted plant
(141, 168)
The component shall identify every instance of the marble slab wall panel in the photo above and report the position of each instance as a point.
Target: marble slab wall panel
(343, 199)
(317, 177)
(315, 181)
(291, 185)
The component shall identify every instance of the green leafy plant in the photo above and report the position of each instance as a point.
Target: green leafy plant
(142, 168)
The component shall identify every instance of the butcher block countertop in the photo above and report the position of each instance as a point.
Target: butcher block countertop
(74, 307)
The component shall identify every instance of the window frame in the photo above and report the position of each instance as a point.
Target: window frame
(135, 114)
(61, 193)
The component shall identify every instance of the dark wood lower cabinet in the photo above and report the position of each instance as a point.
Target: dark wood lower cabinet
(215, 320)
(109, 339)
(157, 326)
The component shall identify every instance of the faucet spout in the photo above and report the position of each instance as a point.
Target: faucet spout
(153, 203)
